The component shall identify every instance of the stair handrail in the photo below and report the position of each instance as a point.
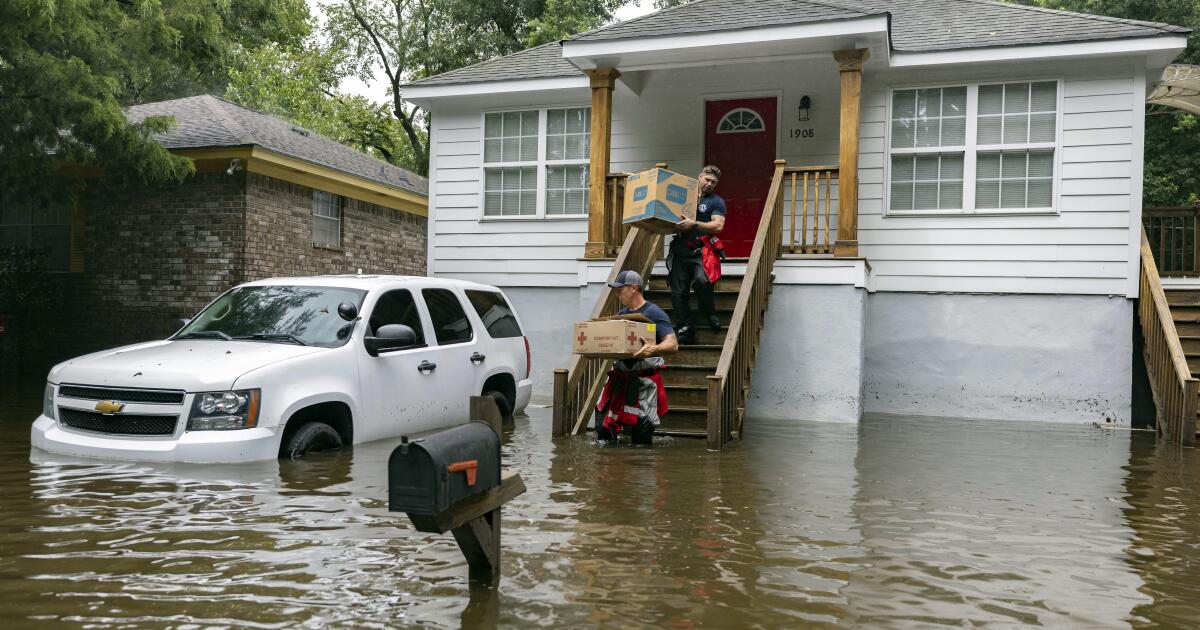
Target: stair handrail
(727, 386)
(577, 387)
(1174, 388)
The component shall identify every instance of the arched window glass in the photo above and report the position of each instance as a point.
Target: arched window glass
(741, 120)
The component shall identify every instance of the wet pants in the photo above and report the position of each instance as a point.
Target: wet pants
(640, 433)
(686, 273)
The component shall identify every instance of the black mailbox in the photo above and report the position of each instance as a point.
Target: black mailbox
(429, 475)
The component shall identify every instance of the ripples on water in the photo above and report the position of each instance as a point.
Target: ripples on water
(898, 522)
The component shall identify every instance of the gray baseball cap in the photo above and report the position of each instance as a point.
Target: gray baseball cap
(626, 278)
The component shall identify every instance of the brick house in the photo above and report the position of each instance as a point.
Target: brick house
(267, 199)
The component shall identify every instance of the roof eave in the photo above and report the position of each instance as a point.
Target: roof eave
(1159, 51)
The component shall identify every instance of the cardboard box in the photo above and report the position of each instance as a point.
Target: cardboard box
(657, 199)
(616, 337)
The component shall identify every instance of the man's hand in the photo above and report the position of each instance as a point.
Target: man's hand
(647, 350)
(684, 225)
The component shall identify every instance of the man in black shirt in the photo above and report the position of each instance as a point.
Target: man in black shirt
(685, 261)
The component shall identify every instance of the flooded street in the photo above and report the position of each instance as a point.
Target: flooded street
(897, 522)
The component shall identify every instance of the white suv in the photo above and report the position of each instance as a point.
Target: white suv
(283, 366)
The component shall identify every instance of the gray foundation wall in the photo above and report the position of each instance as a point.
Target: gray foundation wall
(1057, 358)
(548, 316)
(811, 359)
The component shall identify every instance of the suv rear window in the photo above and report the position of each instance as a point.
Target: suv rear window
(495, 313)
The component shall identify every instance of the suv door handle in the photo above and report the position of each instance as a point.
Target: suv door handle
(477, 358)
(426, 367)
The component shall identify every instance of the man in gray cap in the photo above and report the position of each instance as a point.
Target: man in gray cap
(634, 397)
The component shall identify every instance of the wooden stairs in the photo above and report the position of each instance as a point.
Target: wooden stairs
(1170, 325)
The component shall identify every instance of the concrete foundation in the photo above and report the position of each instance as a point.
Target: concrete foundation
(547, 315)
(811, 359)
(1057, 358)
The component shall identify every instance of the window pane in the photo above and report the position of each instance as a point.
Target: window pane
(495, 313)
(1012, 165)
(927, 167)
(902, 194)
(952, 167)
(491, 204)
(902, 134)
(1045, 97)
(902, 167)
(450, 323)
(1039, 193)
(492, 126)
(491, 150)
(929, 103)
(954, 101)
(566, 189)
(1012, 194)
(987, 195)
(991, 99)
(529, 123)
(512, 124)
(577, 147)
(1041, 163)
(1016, 98)
(396, 307)
(556, 121)
(577, 201)
(989, 130)
(988, 165)
(954, 131)
(926, 197)
(528, 148)
(904, 105)
(927, 133)
(951, 195)
(509, 150)
(1041, 128)
(556, 148)
(1016, 129)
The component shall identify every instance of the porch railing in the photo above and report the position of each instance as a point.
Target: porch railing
(1171, 382)
(577, 387)
(727, 388)
(809, 210)
(1172, 236)
(614, 205)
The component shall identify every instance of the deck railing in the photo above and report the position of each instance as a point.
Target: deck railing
(809, 210)
(727, 388)
(577, 387)
(1171, 381)
(615, 231)
(1172, 236)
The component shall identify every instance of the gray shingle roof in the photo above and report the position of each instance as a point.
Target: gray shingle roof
(534, 63)
(208, 122)
(916, 26)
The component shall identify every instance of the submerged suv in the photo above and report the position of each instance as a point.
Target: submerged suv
(283, 366)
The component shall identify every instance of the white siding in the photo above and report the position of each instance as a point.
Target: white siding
(1082, 249)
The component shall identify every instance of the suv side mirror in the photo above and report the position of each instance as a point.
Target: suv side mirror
(347, 311)
(390, 337)
(178, 324)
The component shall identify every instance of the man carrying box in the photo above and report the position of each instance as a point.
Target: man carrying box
(634, 397)
(685, 258)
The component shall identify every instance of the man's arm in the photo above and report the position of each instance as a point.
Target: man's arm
(710, 227)
(669, 345)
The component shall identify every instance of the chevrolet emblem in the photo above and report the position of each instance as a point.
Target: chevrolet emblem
(108, 407)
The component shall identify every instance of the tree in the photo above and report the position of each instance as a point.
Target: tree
(1172, 164)
(413, 39)
(67, 67)
(302, 86)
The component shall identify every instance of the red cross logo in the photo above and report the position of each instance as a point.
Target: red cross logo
(632, 338)
(582, 337)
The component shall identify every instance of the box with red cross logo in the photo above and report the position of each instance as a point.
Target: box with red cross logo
(611, 338)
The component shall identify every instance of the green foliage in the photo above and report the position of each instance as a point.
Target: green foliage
(564, 18)
(67, 67)
(1172, 170)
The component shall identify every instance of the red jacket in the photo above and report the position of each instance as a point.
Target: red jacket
(614, 400)
(711, 254)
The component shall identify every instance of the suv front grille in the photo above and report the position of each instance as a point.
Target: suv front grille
(117, 425)
(152, 396)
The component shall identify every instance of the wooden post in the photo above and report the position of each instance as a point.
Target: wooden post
(558, 426)
(850, 64)
(483, 409)
(602, 82)
(716, 437)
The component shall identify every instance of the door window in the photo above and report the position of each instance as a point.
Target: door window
(396, 307)
(495, 313)
(450, 323)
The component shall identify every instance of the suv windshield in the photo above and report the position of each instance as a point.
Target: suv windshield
(277, 314)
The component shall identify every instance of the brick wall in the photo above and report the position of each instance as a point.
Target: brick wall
(279, 235)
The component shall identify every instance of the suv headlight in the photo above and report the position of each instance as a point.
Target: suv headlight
(48, 401)
(222, 411)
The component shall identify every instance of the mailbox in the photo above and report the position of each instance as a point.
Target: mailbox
(429, 475)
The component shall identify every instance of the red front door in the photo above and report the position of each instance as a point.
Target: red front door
(739, 138)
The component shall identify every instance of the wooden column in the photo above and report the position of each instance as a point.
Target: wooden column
(850, 64)
(602, 81)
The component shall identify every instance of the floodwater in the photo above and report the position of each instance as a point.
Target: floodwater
(897, 522)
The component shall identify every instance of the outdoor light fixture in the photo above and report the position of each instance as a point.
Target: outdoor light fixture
(234, 165)
(805, 105)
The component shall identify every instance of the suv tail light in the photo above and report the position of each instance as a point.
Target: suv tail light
(528, 360)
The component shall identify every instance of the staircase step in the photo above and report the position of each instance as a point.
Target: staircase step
(687, 395)
(706, 355)
(684, 374)
(1191, 344)
(1191, 329)
(1194, 364)
(724, 314)
(727, 282)
(1183, 297)
(1189, 314)
(721, 299)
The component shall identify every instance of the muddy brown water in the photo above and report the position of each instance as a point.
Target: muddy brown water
(897, 522)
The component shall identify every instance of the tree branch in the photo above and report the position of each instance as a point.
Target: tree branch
(387, 67)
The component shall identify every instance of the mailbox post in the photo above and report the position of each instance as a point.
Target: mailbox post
(451, 481)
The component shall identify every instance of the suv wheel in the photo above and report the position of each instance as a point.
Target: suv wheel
(313, 436)
(502, 403)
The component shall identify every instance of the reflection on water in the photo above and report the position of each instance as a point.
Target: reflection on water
(898, 522)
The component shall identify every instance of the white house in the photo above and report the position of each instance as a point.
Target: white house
(988, 267)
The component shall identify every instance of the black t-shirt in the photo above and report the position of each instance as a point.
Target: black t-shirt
(662, 323)
(707, 207)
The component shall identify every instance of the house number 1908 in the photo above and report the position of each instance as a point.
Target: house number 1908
(800, 133)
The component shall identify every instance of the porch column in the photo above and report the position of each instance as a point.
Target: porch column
(850, 64)
(602, 81)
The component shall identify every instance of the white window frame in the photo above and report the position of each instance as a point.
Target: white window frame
(971, 151)
(539, 165)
